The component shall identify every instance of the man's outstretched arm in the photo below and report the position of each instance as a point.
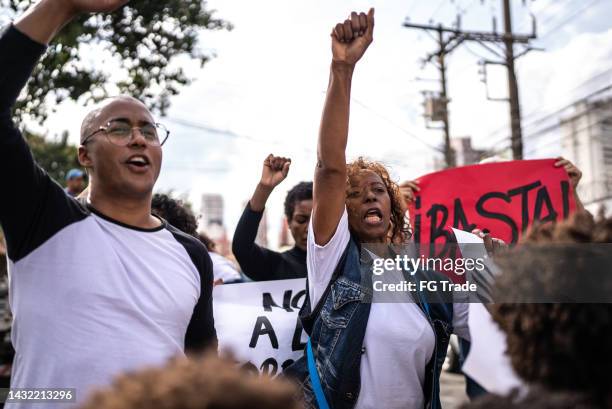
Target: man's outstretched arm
(26, 189)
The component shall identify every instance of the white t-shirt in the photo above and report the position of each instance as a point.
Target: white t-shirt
(223, 268)
(399, 341)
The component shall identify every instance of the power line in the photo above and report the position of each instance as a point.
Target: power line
(437, 9)
(561, 107)
(231, 134)
(556, 127)
(568, 19)
(602, 120)
(410, 134)
(449, 39)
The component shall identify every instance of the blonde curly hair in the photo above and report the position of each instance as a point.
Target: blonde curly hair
(399, 229)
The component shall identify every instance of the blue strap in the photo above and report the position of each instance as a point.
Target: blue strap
(314, 378)
(425, 305)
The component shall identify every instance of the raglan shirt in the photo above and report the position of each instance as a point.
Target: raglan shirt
(91, 297)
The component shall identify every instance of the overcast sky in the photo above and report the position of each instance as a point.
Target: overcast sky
(266, 88)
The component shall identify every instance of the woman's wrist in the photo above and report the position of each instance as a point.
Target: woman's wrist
(260, 197)
(342, 68)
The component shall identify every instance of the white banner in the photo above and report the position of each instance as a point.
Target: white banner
(258, 323)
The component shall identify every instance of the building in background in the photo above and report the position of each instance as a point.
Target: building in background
(212, 209)
(586, 138)
(464, 152)
(211, 222)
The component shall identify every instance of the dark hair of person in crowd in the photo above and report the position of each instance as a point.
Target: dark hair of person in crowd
(299, 192)
(561, 346)
(537, 398)
(206, 382)
(207, 241)
(175, 213)
(399, 231)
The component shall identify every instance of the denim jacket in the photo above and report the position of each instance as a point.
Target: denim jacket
(337, 328)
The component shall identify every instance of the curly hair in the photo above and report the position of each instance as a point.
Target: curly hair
(299, 192)
(399, 229)
(558, 345)
(206, 382)
(175, 213)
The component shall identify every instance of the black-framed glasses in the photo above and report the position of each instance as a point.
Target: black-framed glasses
(121, 133)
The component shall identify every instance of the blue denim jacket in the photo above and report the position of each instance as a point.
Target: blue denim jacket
(337, 328)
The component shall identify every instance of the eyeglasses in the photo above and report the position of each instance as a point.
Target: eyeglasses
(121, 133)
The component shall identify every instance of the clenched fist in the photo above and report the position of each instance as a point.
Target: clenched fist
(275, 170)
(93, 6)
(351, 38)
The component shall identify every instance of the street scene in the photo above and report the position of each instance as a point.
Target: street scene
(307, 204)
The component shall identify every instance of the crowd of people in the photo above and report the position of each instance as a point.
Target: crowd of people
(111, 287)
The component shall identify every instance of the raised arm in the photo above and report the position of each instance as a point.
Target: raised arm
(256, 262)
(28, 191)
(349, 42)
(43, 20)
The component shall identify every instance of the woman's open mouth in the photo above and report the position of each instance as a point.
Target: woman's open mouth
(373, 217)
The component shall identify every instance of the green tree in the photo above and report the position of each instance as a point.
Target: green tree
(145, 39)
(55, 157)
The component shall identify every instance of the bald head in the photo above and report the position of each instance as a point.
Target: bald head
(123, 106)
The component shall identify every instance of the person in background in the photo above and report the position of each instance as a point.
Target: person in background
(261, 264)
(556, 348)
(75, 182)
(223, 269)
(204, 383)
(180, 216)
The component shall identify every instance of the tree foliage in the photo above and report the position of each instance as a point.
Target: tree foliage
(144, 40)
(56, 158)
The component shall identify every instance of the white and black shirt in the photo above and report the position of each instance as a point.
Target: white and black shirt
(90, 296)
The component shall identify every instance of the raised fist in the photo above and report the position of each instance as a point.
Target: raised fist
(275, 170)
(93, 6)
(351, 39)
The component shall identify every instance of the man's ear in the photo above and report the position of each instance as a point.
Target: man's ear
(84, 157)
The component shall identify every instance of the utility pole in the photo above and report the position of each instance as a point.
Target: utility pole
(449, 156)
(513, 92)
(437, 106)
(456, 36)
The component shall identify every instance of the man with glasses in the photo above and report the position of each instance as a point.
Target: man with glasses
(98, 286)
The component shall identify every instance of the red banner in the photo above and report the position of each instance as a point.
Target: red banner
(504, 198)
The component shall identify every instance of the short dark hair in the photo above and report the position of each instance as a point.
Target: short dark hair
(299, 192)
(175, 213)
(207, 241)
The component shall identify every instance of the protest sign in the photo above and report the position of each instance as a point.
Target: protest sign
(487, 362)
(504, 198)
(258, 323)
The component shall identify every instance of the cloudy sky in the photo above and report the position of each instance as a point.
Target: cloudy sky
(264, 90)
